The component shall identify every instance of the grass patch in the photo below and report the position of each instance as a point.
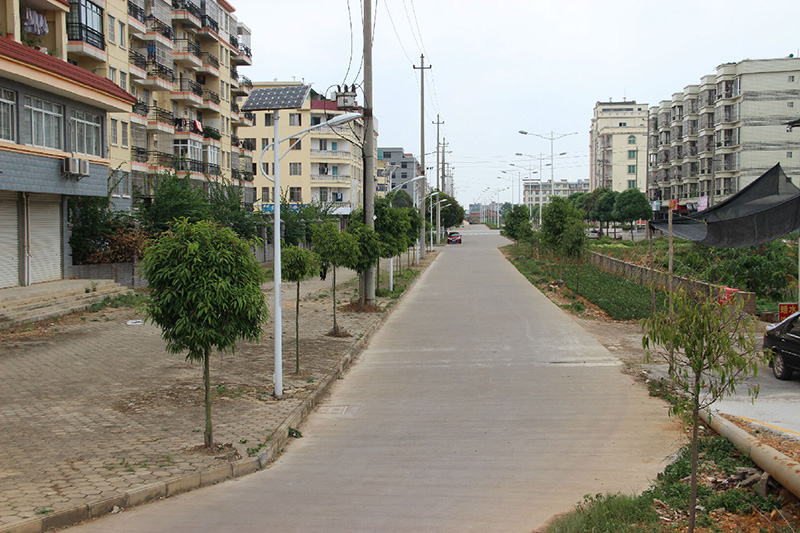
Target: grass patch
(402, 280)
(130, 299)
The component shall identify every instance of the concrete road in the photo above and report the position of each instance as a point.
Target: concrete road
(479, 406)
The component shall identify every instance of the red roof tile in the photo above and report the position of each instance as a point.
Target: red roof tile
(37, 59)
(226, 6)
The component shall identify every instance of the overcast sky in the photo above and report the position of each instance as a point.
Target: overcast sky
(509, 65)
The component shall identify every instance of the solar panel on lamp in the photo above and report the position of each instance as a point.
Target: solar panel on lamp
(277, 98)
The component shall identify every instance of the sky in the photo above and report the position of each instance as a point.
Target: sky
(508, 65)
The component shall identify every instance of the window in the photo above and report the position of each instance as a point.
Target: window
(112, 27)
(85, 23)
(632, 139)
(788, 155)
(791, 79)
(631, 169)
(387, 155)
(86, 133)
(190, 149)
(122, 40)
(123, 80)
(295, 119)
(120, 183)
(323, 194)
(623, 124)
(295, 194)
(112, 74)
(265, 194)
(264, 142)
(268, 119)
(295, 169)
(631, 184)
(47, 123)
(631, 154)
(124, 134)
(8, 104)
(316, 121)
(789, 104)
(323, 144)
(112, 131)
(295, 144)
(404, 164)
(334, 145)
(335, 170)
(404, 175)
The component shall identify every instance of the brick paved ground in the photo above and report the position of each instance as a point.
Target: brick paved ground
(97, 408)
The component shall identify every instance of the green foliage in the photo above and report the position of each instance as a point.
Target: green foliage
(297, 222)
(631, 205)
(710, 349)
(337, 249)
(393, 227)
(226, 209)
(205, 292)
(99, 234)
(401, 199)
(173, 198)
(298, 264)
(610, 512)
(369, 246)
(518, 223)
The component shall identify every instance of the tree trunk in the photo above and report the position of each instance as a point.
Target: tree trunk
(297, 332)
(695, 419)
(378, 275)
(208, 435)
(335, 326)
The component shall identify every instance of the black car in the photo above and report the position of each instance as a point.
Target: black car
(784, 341)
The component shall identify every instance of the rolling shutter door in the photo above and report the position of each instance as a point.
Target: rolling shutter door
(9, 240)
(45, 237)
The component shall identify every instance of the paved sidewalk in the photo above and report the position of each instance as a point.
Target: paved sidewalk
(98, 415)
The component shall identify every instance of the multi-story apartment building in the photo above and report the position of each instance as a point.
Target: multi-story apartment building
(403, 167)
(180, 59)
(53, 138)
(326, 166)
(539, 192)
(618, 146)
(714, 138)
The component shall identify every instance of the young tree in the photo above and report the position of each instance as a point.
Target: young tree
(336, 248)
(392, 226)
(205, 292)
(225, 207)
(603, 210)
(174, 197)
(369, 249)
(556, 218)
(401, 198)
(518, 223)
(573, 243)
(710, 349)
(632, 205)
(298, 264)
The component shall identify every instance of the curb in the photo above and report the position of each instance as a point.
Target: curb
(784, 469)
(165, 489)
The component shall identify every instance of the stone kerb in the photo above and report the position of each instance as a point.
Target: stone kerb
(641, 275)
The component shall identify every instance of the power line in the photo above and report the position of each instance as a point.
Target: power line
(399, 41)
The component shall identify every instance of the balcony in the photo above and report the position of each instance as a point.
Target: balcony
(234, 77)
(331, 178)
(210, 65)
(86, 41)
(136, 19)
(244, 57)
(187, 165)
(188, 53)
(159, 77)
(188, 91)
(160, 160)
(139, 113)
(186, 12)
(209, 28)
(212, 169)
(330, 153)
(211, 135)
(139, 155)
(157, 30)
(247, 144)
(160, 120)
(234, 40)
(138, 65)
(184, 125)
(210, 101)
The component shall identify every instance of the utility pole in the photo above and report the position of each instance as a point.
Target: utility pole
(439, 183)
(369, 148)
(423, 182)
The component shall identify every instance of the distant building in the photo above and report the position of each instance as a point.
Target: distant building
(618, 146)
(539, 192)
(402, 166)
(714, 138)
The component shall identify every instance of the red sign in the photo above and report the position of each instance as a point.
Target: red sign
(726, 294)
(673, 204)
(786, 309)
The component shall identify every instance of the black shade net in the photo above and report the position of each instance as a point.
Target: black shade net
(763, 211)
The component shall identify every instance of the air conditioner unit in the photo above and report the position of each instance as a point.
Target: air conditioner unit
(70, 165)
(83, 167)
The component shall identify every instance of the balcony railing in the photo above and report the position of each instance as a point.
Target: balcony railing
(245, 51)
(137, 59)
(161, 159)
(234, 108)
(185, 5)
(210, 60)
(234, 140)
(140, 108)
(234, 40)
(249, 115)
(139, 155)
(234, 74)
(160, 27)
(184, 164)
(245, 81)
(136, 12)
(210, 132)
(210, 96)
(248, 144)
(81, 32)
(212, 169)
(158, 70)
(188, 86)
(157, 114)
(210, 23)
(187, 45)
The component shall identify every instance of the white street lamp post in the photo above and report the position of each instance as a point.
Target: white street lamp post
(553, 136)
(276, 233)
(391, 259)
